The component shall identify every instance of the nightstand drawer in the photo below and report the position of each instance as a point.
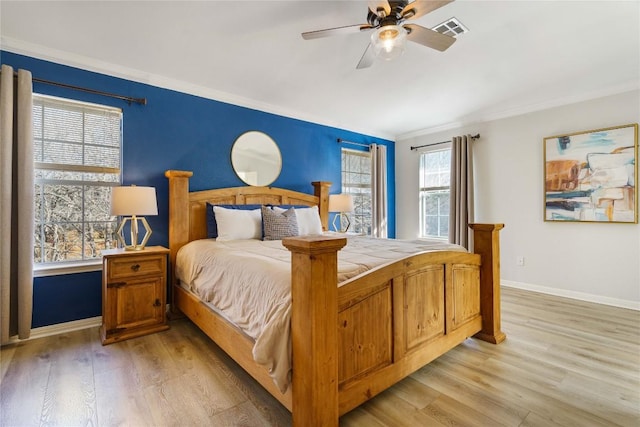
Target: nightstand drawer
(125, 267)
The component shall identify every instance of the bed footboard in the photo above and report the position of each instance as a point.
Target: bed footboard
(352, 342)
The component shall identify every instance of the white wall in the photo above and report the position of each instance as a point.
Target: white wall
(590, 261)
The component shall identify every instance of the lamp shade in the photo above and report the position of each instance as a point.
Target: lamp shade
(133, 200)
(340, 203)
(388, 42)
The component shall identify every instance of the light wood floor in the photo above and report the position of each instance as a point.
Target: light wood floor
(565, 363)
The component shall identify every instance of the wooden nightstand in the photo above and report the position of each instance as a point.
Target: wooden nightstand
(134, 293)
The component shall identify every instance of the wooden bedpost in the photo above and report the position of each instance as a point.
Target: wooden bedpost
(486, 243)
(178, 214)
(314, 329)
(321, 191)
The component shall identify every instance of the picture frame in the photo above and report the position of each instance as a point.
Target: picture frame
(591, 176)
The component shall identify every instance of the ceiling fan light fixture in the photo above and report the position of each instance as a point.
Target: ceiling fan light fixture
(388, 42)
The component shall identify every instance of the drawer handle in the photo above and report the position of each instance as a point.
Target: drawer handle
(157, 303)
(135, 267)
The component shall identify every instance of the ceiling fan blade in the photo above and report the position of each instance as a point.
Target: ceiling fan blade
(428, 37)
(349, 29)
(367, 58)
(419, 8)
(374, 5)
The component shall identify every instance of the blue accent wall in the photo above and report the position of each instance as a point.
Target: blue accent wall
(184, 132)
(59, 299)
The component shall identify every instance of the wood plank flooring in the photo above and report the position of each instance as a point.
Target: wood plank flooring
(564, 363)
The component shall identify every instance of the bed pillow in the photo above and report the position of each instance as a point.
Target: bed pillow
(278, 225)
(237, 224)
(212, 224)
(308, 219)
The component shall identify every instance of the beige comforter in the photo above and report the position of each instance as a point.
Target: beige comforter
(249, 283)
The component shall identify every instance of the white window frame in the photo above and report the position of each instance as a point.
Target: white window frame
(431, 189)
(361, 218)
(42, 269)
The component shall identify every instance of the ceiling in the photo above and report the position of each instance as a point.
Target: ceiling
(518, 56)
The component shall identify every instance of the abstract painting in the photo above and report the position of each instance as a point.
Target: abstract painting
(591, 176)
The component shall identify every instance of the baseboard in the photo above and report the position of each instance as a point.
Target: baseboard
(60, 328)
(616, 302)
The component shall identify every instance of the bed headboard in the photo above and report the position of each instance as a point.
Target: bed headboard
(187, 210)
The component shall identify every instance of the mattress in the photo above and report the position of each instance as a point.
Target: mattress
(249, 283)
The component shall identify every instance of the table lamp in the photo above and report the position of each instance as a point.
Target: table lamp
(341, 203)
(129, 202)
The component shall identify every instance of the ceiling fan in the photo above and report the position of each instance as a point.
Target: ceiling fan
(387, 18)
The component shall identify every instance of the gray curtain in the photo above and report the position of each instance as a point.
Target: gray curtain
(378, 190)
(461, 190)
(17, 204)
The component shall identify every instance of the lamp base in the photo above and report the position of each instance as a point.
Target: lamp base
(134, 245)
(134, 248)
(339, 216)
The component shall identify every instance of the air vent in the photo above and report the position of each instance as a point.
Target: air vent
(451, 27)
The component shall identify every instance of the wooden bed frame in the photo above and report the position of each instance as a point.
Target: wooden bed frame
(351, 342)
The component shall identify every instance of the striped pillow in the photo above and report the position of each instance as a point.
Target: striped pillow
(278, 225)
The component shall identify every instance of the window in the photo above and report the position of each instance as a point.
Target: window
(435, 175)
(356, 180)
(77, 155)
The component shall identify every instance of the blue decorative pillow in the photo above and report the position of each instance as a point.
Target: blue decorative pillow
(212, 225)
(278, 225)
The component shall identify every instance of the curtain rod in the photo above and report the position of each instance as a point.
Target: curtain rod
(342, 141)
(476, 136)
(141, 101)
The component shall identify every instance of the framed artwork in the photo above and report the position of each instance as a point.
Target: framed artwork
(591, 176)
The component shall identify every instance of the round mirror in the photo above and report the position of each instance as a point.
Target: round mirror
(256, 159)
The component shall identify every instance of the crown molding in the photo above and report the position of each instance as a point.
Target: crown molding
(431, 130)
(94, 65)
(476, 118)
(102, 67)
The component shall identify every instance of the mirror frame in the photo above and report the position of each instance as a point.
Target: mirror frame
(250, 139)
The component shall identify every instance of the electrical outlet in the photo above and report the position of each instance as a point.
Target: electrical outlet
(520, 261)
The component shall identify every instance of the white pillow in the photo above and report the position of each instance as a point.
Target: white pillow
(309, 223)
(236, 224)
